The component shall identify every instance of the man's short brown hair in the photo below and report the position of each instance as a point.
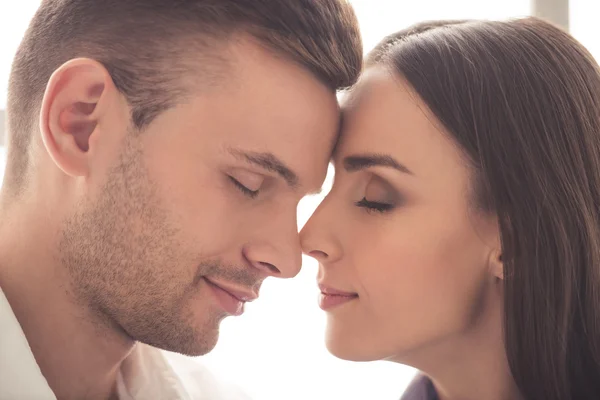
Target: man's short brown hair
(143, 45)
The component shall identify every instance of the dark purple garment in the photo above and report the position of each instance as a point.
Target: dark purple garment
(421, 388)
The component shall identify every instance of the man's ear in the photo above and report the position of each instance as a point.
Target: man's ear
(77, 101)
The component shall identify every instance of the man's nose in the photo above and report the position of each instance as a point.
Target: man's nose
(276, 249)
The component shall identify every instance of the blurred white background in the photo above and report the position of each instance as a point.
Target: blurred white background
(275, 350)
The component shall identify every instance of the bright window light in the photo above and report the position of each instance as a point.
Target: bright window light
(584, 24)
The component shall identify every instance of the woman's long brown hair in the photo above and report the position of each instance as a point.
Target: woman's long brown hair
(522, 100)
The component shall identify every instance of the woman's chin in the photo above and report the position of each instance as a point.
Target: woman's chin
(346, 348)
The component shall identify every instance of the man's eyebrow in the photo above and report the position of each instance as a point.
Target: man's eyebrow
(269, 162)
(362, 161)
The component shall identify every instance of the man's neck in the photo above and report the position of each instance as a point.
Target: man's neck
(78, 355)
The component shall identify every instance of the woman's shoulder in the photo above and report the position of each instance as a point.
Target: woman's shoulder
(421, 388)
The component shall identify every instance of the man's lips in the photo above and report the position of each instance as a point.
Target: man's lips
(244, 295)
(230, 298)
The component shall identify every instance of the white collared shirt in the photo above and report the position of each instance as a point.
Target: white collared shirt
(147, 374)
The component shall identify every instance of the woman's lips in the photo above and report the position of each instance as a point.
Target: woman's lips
(330, 297)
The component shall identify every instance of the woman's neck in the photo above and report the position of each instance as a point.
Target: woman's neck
(471, 365)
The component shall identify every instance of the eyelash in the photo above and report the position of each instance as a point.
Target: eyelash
(247, 192)
(373, 206)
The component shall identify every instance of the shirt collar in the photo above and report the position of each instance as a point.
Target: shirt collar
(21, 376)
(144, 374)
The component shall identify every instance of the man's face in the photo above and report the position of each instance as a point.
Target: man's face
(204, 198)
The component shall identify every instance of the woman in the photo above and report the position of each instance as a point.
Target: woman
(462, 232)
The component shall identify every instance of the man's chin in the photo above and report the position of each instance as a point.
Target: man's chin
(197, 348)
(201, 347)
(187, 341)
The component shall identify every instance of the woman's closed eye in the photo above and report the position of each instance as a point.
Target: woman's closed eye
(379, 196)
(374, 205)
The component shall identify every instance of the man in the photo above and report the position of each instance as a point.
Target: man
(157, 151)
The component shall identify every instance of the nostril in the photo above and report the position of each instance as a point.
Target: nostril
(273, 269)
(318, 254)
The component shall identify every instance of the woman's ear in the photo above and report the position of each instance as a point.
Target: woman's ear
(497, 265)
(76, 102)
(494, 245)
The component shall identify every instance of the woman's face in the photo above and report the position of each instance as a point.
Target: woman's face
(398, 231)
